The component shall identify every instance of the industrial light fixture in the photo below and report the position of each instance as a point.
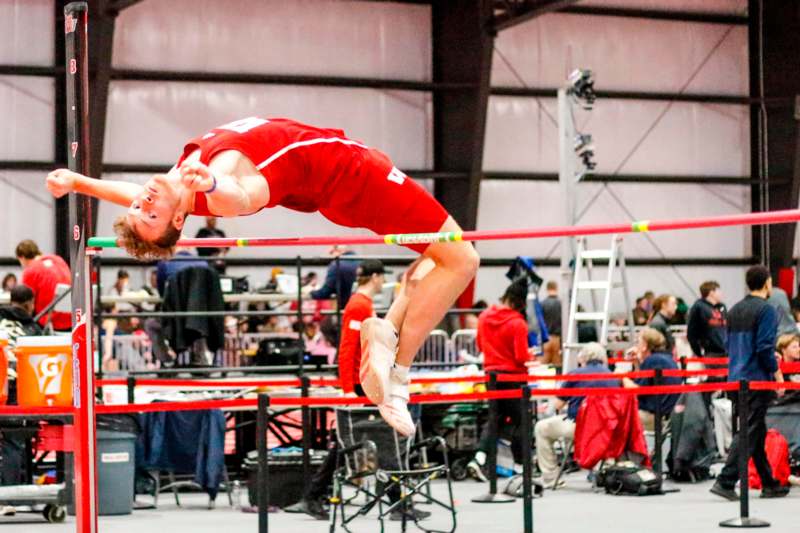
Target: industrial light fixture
(582, 87)
(584, 149)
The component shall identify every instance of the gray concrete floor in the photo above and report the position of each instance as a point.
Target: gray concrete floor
(574, 509)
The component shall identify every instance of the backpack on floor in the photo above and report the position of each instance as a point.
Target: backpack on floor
(628, 478)
(777, 448)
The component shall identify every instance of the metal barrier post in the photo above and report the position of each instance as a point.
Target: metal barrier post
(305, 411)
(658, 429)
(744, 519)
(131, 382)
(527, 463)
(263, 463)
(491, 454)
(339, 302)
(98, 320)
(301, 345)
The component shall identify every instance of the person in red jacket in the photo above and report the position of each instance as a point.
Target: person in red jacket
(239, 168)
(503, 340)
(369, 279)
(42, 273)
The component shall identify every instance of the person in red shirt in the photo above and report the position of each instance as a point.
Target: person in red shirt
(503, 340)
(369, 279)
(244, 166)
(42, 273)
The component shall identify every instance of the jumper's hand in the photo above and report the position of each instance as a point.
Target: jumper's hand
(61, 181)
(196, 176)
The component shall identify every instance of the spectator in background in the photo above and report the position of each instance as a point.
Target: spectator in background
(272, 283)
(664, 308)
(707, 327)
(165, 269)
(650, 354)
(650, 300)
(9, 281)
(210, 231)
(788, 351)
(681, 309)
(780, 301)
(752, 324)
(471, 319)
(43, 273)
(551, 309)
(503, 339)
(591, 360)
(587, 330)
(640, 313)
(341, 274)
(120, 288)
(16, 320)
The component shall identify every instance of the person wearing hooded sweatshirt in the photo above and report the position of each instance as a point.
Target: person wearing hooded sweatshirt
(16, 320)
(503, 340)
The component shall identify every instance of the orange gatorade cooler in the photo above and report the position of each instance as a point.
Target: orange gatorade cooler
(3, 368)
(44, 371)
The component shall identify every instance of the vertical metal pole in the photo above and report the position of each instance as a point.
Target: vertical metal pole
(300, 326)
(263, 464)
(98, 321)
(131, 382)
(339, 302)
(658, 380)
(80, 215)
(306, 423)
(491, 460)
(566, 177)
(744, 449)
(527, 466)
(744, 519)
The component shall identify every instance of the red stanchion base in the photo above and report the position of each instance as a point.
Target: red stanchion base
(493, 498)
(741, 521)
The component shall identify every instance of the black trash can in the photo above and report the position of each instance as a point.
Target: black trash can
(286, 481)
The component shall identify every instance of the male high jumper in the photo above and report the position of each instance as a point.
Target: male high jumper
(244, 166)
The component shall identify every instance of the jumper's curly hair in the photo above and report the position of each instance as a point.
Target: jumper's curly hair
(163, 248)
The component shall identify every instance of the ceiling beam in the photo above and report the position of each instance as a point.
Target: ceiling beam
(509, 13)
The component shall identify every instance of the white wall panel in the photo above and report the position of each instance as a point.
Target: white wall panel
(690, 139)
(514, 204)
(317, 37)
(26, 105)
(491, 283)
(728, 7)
(277, 222)
(27, 36)
(150, 122)
(27, 211)
(667, 56)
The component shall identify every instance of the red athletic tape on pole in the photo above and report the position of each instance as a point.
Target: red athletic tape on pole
(748, 219)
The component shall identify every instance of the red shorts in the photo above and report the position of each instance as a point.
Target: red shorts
(381, 198)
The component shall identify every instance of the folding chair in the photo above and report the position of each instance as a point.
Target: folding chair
(373, 460)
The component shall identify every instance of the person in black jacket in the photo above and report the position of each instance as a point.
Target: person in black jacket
(752, 327)
(706, 330)
(339, 278)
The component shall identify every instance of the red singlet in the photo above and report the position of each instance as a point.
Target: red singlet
(316, 169)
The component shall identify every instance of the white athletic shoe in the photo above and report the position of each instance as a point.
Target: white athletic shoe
(378, 348)
(395, 410)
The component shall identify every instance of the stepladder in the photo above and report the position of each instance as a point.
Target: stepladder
(597, 273)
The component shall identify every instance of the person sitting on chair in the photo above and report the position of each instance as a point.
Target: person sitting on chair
(591, 360)
(651, 354)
